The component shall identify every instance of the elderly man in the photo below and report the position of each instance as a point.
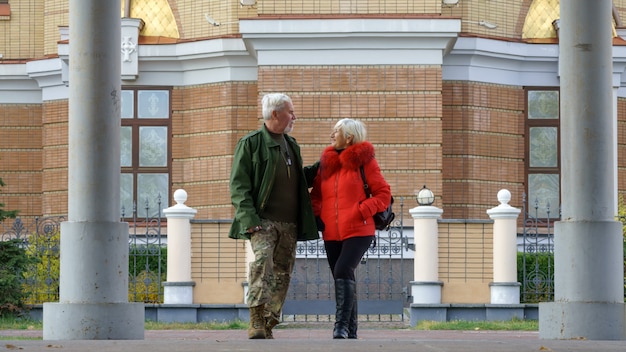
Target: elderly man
(273, 210)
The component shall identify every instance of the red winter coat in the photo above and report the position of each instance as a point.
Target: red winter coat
(338, 196)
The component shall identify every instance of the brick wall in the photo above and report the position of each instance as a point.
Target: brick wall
(465, 262)
(56, 13)
(207, 122)
(21, 158)
(218, 264)
(55, 144)
(400, 106)
(273, 7)
(22, 34)
(483, 147)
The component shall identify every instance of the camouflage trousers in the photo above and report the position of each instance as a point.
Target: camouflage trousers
(274, 249)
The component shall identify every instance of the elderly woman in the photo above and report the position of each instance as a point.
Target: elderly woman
(344, 212)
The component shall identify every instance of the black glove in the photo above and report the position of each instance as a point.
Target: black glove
(320, 224)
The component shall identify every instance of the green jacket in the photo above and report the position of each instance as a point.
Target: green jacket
(252, 178)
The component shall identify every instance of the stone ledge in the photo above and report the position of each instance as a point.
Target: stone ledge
(472, 312)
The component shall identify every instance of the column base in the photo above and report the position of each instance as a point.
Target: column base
(93, 321)
(505, 292)
(426, 292)
(178, 292)
(581, 320)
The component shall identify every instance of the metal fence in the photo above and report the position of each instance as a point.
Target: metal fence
(537, 264)
(147, 254)
(383, 276)
(41, 239)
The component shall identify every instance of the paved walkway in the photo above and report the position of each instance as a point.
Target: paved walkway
(302, 339)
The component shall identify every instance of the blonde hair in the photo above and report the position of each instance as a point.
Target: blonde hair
(354, 128)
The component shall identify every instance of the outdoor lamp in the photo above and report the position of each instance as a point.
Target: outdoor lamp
(425, 196)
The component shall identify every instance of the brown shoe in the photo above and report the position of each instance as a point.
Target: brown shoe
(256, 330)
(270, 323)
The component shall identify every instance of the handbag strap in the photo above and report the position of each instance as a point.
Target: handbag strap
(368, 193)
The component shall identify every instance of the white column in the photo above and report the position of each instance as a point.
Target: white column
(588, 242)
(93, 284)
(178, 289)
(426, 287)
(504, 288)
(249, 259)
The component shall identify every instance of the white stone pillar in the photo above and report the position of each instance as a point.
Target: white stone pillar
(249, 259)
(504, 288)
(588, 241)
(93, 283)
(178, 289)
(426, 287)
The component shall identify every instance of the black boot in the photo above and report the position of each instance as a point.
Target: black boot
(353, 324)
(344, 296)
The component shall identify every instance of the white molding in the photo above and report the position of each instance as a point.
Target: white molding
(16, 87)
(189, 63)
(349, 41)
(619, 68)
(47, 74)
(193, 63)
(316, 42)
(498, 62)
(516, 64)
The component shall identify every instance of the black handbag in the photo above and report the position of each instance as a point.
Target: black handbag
(382, 219)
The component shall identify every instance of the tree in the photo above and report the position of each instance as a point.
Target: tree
(6, 214)
(13, 260)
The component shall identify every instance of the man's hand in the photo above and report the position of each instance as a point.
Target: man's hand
(254, 229)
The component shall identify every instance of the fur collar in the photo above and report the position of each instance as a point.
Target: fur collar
(350, 158)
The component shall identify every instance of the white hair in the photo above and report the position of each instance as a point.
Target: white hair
(274, 102)
(354, 128)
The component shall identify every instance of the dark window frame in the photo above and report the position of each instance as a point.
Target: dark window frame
(528, 170)
(135, 123)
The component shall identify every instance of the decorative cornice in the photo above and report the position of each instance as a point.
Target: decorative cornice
(16, 86)
(333, 41)
(182, 64)
(498, 62)
(359, 41)
(516, 64)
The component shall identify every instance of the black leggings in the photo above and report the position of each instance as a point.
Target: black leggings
(345, 256)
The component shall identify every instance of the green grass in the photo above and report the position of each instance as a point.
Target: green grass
(234, 325)
(20, 338)
(515, 324)
(12, 323)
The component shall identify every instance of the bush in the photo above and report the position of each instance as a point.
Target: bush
(147, 269)
(13, 263)
(147, 257)
(539, 278)
(145, 287)
(6, 214)
(43, 278)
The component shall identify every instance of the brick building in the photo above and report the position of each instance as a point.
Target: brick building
(461, 96)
